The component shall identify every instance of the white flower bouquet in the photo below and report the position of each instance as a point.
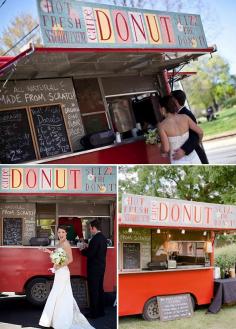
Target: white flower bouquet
(58, 257)
(152, 136)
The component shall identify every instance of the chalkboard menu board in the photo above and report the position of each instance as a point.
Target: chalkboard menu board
(50, 130)
(175, 307)
(12, 231)
(80, 291)
(16, 144)
(131, 256)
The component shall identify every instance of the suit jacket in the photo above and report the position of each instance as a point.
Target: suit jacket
(96, 254)
(193, 142)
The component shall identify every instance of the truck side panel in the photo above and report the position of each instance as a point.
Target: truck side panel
(136, 288)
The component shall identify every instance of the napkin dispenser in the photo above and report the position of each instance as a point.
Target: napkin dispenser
(172, 263)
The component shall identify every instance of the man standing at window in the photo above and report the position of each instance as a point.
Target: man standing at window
(95, 252)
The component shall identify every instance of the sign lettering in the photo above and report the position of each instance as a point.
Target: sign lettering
(76, 24)
(159, 212)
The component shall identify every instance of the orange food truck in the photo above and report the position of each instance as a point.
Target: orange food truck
(94, 83)
(166, 248)
(33, 201)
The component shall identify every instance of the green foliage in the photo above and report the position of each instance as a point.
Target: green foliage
(198, 183)
(226, 122)
(225, 257)
(229, 102)
(212, 82)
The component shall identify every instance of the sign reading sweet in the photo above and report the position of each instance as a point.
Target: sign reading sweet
(76, 24)
(159, 212)
(55, 179)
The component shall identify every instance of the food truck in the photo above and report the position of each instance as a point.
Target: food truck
(33, 201)
(88, 92)
(166, 248)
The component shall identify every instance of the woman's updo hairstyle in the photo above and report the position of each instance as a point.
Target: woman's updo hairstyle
(62, 227)
(168, 102)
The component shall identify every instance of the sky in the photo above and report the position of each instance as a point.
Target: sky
(222, 14)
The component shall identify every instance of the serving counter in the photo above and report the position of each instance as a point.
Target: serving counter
(127, 152)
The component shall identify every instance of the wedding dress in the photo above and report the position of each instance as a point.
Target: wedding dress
(61, 310)
(175, 143)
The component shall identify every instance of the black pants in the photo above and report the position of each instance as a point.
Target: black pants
(96, 294)
(202, 155)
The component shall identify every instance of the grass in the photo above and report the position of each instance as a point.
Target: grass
(226, 121)
(225, 319)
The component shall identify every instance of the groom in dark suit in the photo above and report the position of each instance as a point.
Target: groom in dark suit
(193, 142)
(95, 252)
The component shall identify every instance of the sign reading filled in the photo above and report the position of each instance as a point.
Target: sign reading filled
(161, 212)
(58, 179)
(76, 24)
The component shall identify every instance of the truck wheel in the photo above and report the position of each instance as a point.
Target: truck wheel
(193, 300)
(151, 310)
(37, 291)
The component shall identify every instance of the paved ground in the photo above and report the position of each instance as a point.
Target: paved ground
(221, 150)
(17, 312)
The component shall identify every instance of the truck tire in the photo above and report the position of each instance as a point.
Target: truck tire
(37, 290)
(151, 310)
(193, 300)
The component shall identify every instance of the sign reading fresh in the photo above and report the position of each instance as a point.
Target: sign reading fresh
(76, 24)
(64, 179)
(161, 212)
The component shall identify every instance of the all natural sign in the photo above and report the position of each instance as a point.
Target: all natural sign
(161, 212)
(76, 24)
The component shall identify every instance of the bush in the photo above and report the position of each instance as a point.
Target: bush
(229, 103)
(225, 257)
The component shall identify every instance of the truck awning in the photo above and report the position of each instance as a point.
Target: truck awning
(37, 63)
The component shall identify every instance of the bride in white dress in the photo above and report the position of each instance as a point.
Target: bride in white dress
(61, 310)
(174, 132)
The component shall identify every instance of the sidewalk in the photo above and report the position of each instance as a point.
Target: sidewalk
(13, 326)
(219, 136)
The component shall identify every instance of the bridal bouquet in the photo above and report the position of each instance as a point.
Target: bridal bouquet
(152, 136)
(58, 256)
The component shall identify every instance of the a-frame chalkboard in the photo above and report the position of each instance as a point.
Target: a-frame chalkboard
(16, 142)
(50, 130)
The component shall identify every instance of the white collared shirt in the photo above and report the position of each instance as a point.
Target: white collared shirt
(180, 108)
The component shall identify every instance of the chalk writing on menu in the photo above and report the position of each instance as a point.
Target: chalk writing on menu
(12, 231)
(50, 130)
(47, 91)
(131, 256)
(16, 144)
(175, 307)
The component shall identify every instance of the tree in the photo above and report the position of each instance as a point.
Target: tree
(212, 83)
(19, 27)
(197, 183)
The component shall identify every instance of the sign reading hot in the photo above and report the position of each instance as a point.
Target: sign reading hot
(76, 24)
(161, 212)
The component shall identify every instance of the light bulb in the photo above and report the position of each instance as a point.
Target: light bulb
(182, 231)
(130, 230)
(205, 233)
(158, 231)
